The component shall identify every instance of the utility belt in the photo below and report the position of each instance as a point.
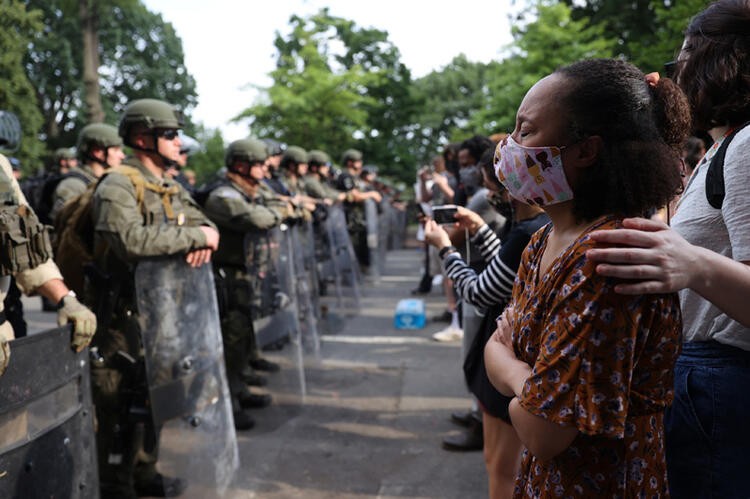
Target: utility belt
(24, 240)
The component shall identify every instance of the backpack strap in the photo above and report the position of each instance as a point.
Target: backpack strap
(141, 184)
(715, 175)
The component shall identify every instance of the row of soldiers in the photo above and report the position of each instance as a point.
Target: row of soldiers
(112, 212)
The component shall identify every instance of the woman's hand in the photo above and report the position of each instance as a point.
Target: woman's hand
(435, 234)
(465, 218)
(655, 257)
(506, 373)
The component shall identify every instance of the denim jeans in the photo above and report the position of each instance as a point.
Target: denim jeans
(708, 425)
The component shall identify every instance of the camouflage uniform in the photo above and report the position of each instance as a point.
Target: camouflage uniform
(240, 267)
(74, 184)
(167, 223)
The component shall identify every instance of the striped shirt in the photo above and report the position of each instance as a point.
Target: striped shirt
(494, 284)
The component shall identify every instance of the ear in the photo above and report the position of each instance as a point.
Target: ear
(588, 151)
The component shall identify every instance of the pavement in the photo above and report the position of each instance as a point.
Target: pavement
(367, 418)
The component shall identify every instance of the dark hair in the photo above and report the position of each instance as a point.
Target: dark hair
(642, 129)
(450, 154)
(715, 72)
(476, 146)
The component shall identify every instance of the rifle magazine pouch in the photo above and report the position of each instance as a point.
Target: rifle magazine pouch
(25, 242)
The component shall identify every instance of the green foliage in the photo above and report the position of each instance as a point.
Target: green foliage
(17, 27)
(141, 56)
(546, 38)
(337, 86)
(451, 97)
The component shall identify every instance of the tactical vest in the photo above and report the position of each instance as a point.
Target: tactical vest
(24, 241)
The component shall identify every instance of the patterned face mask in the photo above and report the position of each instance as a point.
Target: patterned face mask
(534, 175)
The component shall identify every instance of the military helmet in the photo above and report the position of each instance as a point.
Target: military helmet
(64, 153)
(99, 135)
(10, 131)
(351, 155)
(273, 147)
(151, 114)
(250, 150)
(294, 154)
(318, 158)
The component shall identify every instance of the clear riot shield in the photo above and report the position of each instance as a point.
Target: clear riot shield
(184, 358)
(344, 263)
(47, 443)
(281, 329)
(304, 289)
(371, 225)
(384, 228)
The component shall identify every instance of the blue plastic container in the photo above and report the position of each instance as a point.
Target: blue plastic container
(409, 314)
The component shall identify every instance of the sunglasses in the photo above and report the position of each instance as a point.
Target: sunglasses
(169, 133)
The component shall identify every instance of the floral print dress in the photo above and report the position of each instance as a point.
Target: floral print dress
(601, 362)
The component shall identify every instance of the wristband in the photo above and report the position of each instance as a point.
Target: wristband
(446, 250)
(61, 303)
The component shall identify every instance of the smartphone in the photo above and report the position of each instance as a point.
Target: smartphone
(444, 214)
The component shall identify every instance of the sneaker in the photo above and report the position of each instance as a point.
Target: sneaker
(449, 334)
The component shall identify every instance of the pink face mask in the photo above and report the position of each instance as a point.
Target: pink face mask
(533, 175)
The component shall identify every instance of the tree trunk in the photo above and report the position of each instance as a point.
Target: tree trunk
(88, 16)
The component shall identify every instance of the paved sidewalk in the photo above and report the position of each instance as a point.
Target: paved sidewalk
(377, 405)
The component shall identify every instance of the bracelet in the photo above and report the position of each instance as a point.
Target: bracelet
(446, 250)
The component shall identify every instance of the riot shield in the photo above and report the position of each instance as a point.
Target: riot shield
(47, 444)
(344, 265)
(281, 330)
(304, 288)
(181, 334)
(371, 226)
(384, 228)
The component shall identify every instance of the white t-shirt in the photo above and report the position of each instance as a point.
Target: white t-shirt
(725, 231)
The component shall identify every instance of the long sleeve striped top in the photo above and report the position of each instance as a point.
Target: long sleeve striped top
(494, 284)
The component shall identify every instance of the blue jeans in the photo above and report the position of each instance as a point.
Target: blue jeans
(708, 425)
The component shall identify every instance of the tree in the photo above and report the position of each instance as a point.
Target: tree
(337, 86)
(211, 157)
(450, 96)
(17, 27)
(547, 38)
(140, 55)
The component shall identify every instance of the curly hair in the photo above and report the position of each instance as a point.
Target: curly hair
(642, 129)
(715, 69)
(476, 146)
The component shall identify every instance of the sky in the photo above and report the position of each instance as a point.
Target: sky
(229, 48)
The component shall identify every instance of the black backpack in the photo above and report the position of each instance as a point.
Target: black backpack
(715, 174)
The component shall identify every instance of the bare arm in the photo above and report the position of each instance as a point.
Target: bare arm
(658, 260)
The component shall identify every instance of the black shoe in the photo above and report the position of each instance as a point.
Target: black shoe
(465, 441)
(243, 420)
(161, 486)
(253, 379)
(465, 419)
(261, 364)
(254, 401)
(420, 291)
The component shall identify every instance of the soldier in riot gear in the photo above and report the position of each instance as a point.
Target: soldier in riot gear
(242, 261)
(26, 254)
(138, 213)
(99, 148)
(356, 194)
(316, 180)
(64, 159)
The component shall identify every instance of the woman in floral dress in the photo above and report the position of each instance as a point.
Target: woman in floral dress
(590, 370)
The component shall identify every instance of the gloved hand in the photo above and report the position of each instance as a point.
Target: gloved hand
(84, 321)
(4, 355)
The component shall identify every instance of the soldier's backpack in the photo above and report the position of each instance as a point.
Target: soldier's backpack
(715, 174)
(74, 245)
(45, 199)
